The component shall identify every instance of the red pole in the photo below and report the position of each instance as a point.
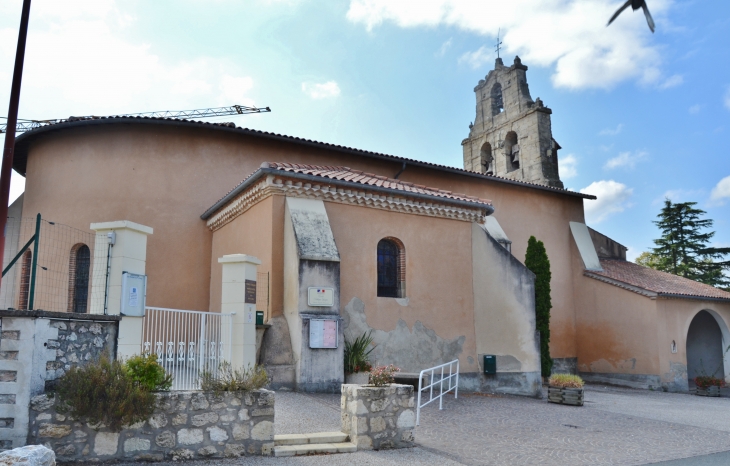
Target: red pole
(7, 167)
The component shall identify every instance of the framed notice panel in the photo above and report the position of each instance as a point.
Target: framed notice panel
(134, 291)
(321, 297)
(323, 333)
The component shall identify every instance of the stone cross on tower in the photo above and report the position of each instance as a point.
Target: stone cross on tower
(511, 136)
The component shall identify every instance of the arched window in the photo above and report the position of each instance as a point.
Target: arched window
(24, 291)
(486, 159)
(391, 268)
(497, 101)
(512, 151)
(78, 278)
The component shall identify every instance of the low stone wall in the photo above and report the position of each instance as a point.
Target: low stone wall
(378, 417)
(187, 425)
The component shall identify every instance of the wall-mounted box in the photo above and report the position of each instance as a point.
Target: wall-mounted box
(490, 364)
(134, 293)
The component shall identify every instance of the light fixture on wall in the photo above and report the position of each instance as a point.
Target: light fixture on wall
(674, 346)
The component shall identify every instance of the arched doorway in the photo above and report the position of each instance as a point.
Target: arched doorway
(705, 351)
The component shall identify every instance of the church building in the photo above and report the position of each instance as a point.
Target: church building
(429, 258)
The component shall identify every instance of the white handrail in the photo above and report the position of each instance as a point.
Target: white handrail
(440, 381)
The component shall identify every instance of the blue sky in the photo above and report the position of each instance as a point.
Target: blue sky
(640, 116)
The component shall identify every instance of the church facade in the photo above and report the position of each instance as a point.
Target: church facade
(426, 257)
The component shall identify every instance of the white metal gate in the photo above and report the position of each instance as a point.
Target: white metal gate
(447, 378)
(187, 342)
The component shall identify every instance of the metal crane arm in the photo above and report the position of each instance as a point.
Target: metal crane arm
(27, 125)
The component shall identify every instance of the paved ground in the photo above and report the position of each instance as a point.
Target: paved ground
(616, 427)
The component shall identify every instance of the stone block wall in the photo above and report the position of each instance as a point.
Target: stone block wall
(378, 417)
(186, 425)
(77, 343)
(37, 347)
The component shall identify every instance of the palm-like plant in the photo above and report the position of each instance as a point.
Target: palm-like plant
(357, 352)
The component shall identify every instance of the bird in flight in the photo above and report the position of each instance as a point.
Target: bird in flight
(635, 5)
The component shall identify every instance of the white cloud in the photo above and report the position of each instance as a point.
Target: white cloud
(695, 109)
(672, 81)
(82, 59)
(444, 48)
(568, 167)
(321, 90)
(611, 132)
(612, 197)
(625, 160)
(727, 98)
(721, 191)
(680, 195)
(569, 35)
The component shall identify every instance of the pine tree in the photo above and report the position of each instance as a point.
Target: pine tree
(537, 261)
(683, 248)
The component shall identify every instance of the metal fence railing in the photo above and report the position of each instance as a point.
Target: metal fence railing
(443, 377)
(187, 342)
(49, 266)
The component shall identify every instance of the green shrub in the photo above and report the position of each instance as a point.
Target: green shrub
(536, 259)
(383, 375)
(357, 352)
(228, 379)
(104, 392)
(148, 373)
(565, 381)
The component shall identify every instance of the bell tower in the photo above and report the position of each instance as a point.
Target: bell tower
(511, 136)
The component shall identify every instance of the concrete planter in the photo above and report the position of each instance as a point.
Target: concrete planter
(378, 417)
(357, 378)
(565, 396)
(712, 390)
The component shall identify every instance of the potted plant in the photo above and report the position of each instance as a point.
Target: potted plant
(383, 375)
(357, 365)
(566, 389)
(708, 385)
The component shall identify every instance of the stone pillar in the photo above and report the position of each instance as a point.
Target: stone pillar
(238, 297)
(128, 254)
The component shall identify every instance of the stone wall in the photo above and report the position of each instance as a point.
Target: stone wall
(186, 425)
(78, 342)
(36, 347)
(378, 417)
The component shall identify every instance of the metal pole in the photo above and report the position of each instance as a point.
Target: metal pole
(7, 165)
(31, 295)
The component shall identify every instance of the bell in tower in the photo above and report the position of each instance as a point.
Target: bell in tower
(511, 136)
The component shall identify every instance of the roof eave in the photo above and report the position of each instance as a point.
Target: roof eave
(21, 143)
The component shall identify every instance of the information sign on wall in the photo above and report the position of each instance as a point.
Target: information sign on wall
(322, 333)
(321, 296)
(133, 294)
(250, 292)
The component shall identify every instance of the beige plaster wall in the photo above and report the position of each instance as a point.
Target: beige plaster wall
(675, 316)
(616, 330)
(436, 248)
(166, 177)
(250, 233)
(504, 307)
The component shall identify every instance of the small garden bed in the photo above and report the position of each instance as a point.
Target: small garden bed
(565, 389)
(708, 385)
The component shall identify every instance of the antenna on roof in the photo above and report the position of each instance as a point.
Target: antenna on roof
(27, 125)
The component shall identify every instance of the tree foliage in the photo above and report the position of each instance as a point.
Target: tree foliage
(683, 248)
(537, 261)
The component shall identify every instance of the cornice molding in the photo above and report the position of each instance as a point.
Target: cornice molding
(292, 187)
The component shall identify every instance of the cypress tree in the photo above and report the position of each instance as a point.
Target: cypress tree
(537, 261)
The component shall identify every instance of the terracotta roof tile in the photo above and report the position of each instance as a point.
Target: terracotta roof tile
(656, 281)
(369, 179)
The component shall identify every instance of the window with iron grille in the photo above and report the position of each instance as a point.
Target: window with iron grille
(78, 283)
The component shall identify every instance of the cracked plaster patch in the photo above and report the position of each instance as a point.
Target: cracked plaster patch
(410, 350)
